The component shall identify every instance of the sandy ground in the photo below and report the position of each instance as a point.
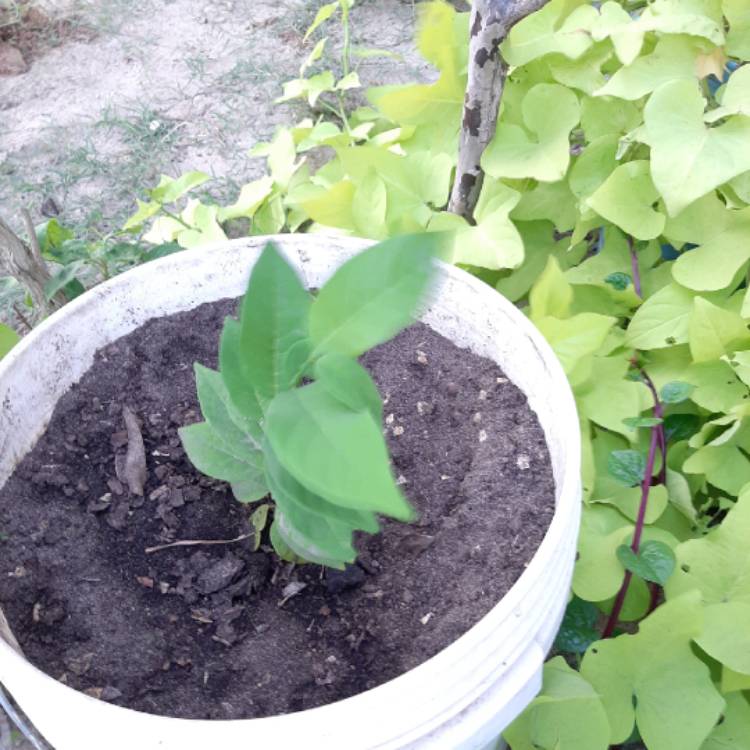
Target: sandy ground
(166, 86)
(134, 89)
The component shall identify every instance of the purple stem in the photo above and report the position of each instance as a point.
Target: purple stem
(654, 599)
(640, 522)
(658, 412)
(636, 271)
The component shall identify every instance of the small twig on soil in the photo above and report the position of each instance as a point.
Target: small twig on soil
(132, 469)
(194, 542)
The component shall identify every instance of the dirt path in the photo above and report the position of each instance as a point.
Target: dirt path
(165, 87)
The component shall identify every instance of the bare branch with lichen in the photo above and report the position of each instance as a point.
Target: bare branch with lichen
(490, 23)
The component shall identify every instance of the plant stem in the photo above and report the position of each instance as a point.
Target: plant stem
(637, 533)
(654, 588)
(176, 217)
(659, 413)
(24, 320)
(635, 268)
(346, 51)
(658, 441)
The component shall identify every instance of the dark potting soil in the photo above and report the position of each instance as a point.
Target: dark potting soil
(224, 632)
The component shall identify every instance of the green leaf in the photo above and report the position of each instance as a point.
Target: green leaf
(560, 26)
(662, 320)
(724, 239)
(608, 398)
(334, 207)
(608, 117)
(733, 732)
(211, 455)
(169, 190)
(718, 565)
(312, 534)
(732, 681)
(628, 466)
(280, 546)
(615, 23)
(237, 383)
(675, 392)
(738, 38)
(618, 280)
(576, 339)
(654, 681)
(598, 573)
(673, 59)
(414, 183)
(282, 155)
(584, 73)
(302, 500)
(65, 281)
(592, 168)
(653, 562)
(250, 199)
(494, 242)
(566, 715)
(159, 251)
(374, 295)
(716, 386)
(681, 426)
(314, 56)
(51, 235)
(259, 519)
(547, 200)
(222, 416)
(203, 223)
(724, 466)
(308, 88)
(715, 332)
(680, 494)
(349, 81)
(323, 14)
(579, 627)
(626, 199)
(144, 213)
(274, 343)
(735, 99)
(369, 206)
(674, 124)
(636, 422)
(740, 362)
(8, 339)
(348, 382)
(552, 294)
(435, 109)
(337, 453)
(539, 147)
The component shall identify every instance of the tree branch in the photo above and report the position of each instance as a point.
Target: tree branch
(490, 23)
(24, 263)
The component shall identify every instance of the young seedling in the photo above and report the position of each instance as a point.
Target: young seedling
(317, 447)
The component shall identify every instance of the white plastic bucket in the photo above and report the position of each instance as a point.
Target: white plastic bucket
(462, 698)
